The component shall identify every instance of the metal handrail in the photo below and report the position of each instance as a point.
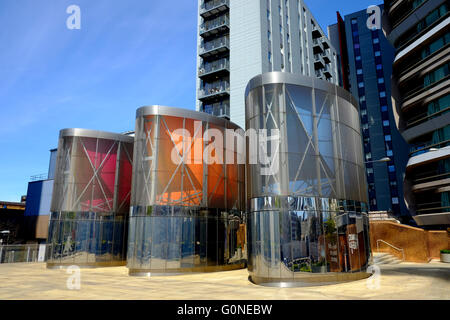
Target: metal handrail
(394, 247)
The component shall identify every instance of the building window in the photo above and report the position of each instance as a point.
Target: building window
(380, 80)
(361, 85)
(389, 153)
(391, 168)
(362, 99)
(384, 108)
(376, 40)
(387, 137)
(363, 112)
(382, 94)
(358, 58)
(377, 53)
(359, 71)
(354, 21)
(356, 46)
(379, 66)
(386, 123)
(395, 200)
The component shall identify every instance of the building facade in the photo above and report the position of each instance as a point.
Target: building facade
(420, 33)
(39, 198)
(260, 36)
(307, 217)
(366, 59)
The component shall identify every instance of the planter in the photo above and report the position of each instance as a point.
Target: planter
(445, 257)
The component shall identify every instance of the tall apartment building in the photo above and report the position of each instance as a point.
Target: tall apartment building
(366, 65)
(240, 39)
(420, 32)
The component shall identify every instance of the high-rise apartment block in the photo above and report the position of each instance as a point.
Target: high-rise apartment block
(366, 57)
(420, 33)
(240, 39)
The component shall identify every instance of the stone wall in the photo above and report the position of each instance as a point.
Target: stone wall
(418, 245)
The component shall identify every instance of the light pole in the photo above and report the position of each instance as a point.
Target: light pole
(385, 159)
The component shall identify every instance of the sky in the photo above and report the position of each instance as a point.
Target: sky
(127, 54)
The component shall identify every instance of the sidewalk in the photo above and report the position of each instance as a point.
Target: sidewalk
(35, 281)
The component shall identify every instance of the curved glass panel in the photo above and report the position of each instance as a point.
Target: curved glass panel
(308, 220)
(91, 199)
(187, 194)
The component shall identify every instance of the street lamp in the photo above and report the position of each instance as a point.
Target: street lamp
(385, 159)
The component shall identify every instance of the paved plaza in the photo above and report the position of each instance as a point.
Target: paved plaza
(35, 281)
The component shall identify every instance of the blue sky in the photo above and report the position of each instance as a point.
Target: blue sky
(128, 53)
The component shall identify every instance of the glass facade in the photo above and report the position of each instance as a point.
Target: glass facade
(91, 199)
(187, 208)
(308, 219)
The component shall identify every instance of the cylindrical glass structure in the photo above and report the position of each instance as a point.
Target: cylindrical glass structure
(307, 205)
(187, 194)
(91, 199)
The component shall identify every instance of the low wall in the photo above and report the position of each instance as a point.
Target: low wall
(418, 245)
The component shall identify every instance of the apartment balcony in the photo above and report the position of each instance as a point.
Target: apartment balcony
(325, 43)
(318, 62)
(316, 33)
(320, 75)
(326, 56)
(327, 71)
(214, 90)
(423, 91)
(216, 26)
(213, 7)
(215, 68)
(317, 46)
(213, 47)
(220, 109)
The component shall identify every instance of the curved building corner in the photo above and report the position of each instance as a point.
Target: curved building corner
(187, 194)
(91, 199)
(307, 206)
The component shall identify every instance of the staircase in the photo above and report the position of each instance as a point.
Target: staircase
(385, 258)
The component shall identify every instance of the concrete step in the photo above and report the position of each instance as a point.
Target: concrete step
(385, 258)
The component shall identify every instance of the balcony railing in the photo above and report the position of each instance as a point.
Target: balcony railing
(211, 67)
(327, 71)
(422, 148)
(215, 88)
(214, 24)
(220, 109)
(39, 177)
(318, 61)
(423, 117)
(430, 176)
(215, 44)
(213, 4)
(22, 253)
(317, 46)
(424, 87)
